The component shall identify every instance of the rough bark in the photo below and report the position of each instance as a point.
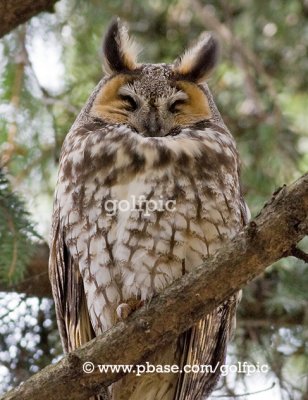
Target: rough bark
(282, 223)
(16, 12)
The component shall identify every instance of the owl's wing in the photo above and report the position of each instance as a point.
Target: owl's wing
(206, 342)
(68, 292)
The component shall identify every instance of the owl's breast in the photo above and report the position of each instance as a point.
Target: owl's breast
(137, 213)
(167, 222)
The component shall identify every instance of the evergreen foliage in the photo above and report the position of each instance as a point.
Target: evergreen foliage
(16, 230)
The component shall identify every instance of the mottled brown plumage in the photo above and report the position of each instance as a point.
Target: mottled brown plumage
(149, 134)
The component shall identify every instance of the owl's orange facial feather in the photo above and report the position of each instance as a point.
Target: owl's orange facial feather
(195, 108)
(108, 104)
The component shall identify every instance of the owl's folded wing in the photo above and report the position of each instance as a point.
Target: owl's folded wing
(205, 345)
(68, 292)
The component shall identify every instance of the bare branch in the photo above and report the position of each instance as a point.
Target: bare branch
(235, 396)
(300, 254)
(280, 226)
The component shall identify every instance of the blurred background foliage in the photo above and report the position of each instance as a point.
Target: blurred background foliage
(49, 67)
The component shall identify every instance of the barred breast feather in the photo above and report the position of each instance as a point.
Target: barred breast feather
(123, 253)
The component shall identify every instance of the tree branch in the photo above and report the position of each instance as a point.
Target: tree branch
(16, 12)
(298, 253)
(282, 223)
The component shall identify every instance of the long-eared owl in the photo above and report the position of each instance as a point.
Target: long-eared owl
(148, 188)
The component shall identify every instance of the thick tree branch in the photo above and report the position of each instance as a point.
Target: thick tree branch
(281, 224)
(16, 12)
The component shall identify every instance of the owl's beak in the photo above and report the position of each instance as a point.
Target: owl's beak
(153, 125)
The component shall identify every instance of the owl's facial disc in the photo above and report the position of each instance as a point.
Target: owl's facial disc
(155, 100)
(149, 110)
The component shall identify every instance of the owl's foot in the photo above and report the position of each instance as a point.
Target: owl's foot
(125, 309)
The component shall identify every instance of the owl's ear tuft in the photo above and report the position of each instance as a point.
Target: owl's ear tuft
(197, 63)
(119, 51)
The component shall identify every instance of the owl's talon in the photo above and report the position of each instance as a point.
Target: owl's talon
(123, 311)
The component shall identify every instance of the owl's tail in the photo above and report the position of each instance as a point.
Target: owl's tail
(205, 346)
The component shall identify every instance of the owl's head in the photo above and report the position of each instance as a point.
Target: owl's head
(153, 99)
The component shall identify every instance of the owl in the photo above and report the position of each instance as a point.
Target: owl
(148, 188)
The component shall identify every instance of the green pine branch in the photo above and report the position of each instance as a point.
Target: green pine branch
(16, 234)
